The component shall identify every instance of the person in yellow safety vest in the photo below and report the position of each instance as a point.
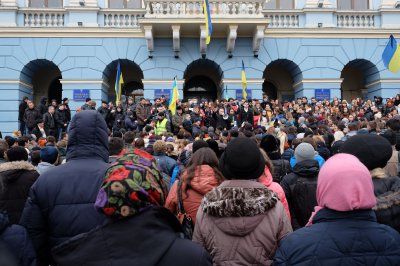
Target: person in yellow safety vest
(162, 125)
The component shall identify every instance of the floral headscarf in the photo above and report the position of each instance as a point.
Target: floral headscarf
(132, 184)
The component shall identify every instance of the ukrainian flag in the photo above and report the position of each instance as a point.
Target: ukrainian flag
(391, 55)
(118, 85)
(174, 98)
(207, 16)
(244, 82)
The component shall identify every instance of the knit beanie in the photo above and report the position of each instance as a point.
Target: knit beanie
(17, 154)
(49, 154)
(242, 159)
(198, 144)
(132, 185)
(304, 151)
(372, 150)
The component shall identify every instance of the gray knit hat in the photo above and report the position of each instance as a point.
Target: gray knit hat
(304, 151)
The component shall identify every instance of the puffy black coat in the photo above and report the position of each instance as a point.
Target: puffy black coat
(147, 239)
(308, 170)
(16, 178)
(16, 238)
(281, 168)
(387, 210)
(341, 238)
(60, 203)
(31, 116)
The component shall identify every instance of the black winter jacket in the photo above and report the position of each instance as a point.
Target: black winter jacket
(60, 203)
(247, 117)
(49, 121)
(21, 110)
(61, 118)
(147, 239)
(341, 238)
(281, 168)
(31, 116)
(16, 179)
(308, 170)
(16, 238)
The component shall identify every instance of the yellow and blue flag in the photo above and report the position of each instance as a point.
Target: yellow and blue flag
(174, 98)
(226, 92)
(207, 16)
(391, 55)
(118, 85)
(244, 82)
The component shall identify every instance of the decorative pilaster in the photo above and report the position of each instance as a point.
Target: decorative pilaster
(258, 36)
(148, 34)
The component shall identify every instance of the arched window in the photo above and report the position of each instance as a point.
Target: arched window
(124, 4)
(280, 4)
(46, 3)
(353, 4)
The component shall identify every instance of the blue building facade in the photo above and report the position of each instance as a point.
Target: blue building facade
(290, 49)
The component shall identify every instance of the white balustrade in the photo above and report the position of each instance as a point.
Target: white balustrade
(43, 18)
(194, 9)
(280, 19)
(123, 19)
(355, 20)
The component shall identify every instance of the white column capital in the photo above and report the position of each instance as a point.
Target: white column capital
(176, 39)
(148, 34)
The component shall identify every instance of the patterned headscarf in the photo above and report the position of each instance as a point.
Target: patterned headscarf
(132, 184)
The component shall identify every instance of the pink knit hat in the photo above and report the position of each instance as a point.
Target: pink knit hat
(344, 184)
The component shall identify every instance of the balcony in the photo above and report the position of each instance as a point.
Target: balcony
(122, 18)
(283, 18)
(43, 17)
(194, 9)
(356, 19)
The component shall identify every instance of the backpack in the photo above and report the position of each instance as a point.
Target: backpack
(304, 199)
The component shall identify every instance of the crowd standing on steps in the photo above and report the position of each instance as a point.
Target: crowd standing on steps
(225, 182)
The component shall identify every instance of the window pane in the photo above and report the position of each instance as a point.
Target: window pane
(344, 4)
(286, 4)
(134, 3)
(360, 4)
(54, 3)
(270, 5)
(37, 3)
(116, 3)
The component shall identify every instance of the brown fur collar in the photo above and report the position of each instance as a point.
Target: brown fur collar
(17, 165)
(387, 200)
(238, 201)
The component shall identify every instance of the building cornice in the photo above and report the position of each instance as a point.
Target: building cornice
(342, 33)
(19, 82)
(77, 81)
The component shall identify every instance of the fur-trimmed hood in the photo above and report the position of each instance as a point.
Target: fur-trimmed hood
(239, 206)
(230, 199)
(17, 165)
(388, 200)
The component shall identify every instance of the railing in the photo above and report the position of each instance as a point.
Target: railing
(43, 17)
(127, 18)
(355, 19)
(282, 18)
(193, 9)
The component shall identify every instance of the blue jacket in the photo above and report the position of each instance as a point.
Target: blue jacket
(60, 203)
(166, 164)
(341, 238)
(16, 238)
(317, 157)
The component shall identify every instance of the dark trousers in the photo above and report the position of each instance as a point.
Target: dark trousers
(22, 127)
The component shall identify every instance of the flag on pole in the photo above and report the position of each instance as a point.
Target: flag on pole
(391, 55)
(226, 92)
(207, 16)
(244, 82)
(174, 98)
(118, 85)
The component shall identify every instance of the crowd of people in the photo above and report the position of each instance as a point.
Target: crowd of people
(225, 182)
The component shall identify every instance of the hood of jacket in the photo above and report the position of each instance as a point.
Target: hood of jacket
(43, 166)
(239, 205)
(307, 168)
(88, 137)
(12, 170)
(204, 179)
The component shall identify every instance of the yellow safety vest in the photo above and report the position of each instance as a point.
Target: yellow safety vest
(161, 127)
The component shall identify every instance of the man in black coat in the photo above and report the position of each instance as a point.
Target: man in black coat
(60, 204)
(43, 105)
(49, 120)
(65, 101)
(21, 111)
(61, 120)
(246, 114)
(31, 116)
